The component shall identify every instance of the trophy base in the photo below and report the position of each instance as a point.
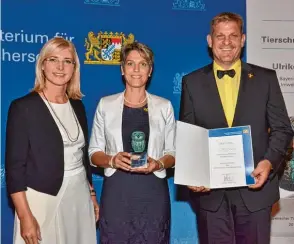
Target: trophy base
(139, 160)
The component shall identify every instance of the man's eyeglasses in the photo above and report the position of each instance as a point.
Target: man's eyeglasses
(56, 61)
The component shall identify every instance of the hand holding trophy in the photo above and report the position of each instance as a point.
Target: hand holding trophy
(140, 162)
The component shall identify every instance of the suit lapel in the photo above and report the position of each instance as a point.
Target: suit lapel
(151, 127)
(119, 138)
(117, 122)
(243, 95)
(215, 99)
(49, 126)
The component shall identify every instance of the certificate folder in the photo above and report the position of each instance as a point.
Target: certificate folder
(215, 158)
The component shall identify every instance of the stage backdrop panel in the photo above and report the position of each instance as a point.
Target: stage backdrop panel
(175, 29)
(270, 43)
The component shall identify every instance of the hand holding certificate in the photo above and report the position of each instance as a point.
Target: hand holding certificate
(261, 173)
(217, 158)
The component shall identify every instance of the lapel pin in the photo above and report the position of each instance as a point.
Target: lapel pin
(250, 75)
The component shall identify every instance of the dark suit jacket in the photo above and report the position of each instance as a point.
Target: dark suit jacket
(260, 104)
(34, 146)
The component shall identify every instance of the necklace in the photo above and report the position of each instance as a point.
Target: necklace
(135, 103)
(66, 131)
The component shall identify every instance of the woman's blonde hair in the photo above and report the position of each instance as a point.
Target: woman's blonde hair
(73, 89)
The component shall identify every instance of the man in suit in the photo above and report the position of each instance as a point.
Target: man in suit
(228, 93)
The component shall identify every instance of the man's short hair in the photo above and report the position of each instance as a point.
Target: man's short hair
(225, 17)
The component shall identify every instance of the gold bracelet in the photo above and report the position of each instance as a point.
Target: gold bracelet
(161, 164)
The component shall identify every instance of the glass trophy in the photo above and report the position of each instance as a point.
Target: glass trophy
(138, 157)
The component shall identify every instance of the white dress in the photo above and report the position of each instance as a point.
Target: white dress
(67, 218)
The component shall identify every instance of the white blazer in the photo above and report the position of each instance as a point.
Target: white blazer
(107, 132)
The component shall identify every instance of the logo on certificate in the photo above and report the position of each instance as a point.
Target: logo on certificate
(246, 131)
(228, 178)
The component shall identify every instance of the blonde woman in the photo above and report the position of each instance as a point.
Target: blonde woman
(48, 173)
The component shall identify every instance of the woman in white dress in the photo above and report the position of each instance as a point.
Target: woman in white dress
(48, 171)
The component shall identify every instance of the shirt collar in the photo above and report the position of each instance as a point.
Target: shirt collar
(235, 66)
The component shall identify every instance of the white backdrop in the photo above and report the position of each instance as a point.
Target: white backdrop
(270, 43)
